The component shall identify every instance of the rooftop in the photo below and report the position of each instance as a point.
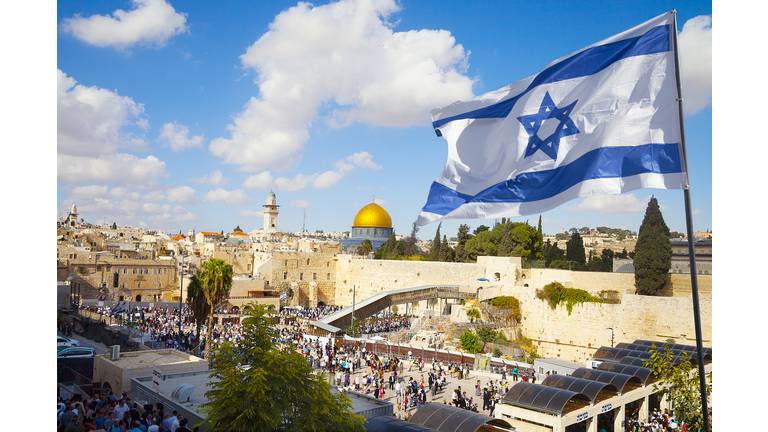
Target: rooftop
(143, 359)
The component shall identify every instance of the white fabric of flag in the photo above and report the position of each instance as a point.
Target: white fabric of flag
(603, 120)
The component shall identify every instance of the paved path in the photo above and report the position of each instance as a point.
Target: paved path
(452, 383)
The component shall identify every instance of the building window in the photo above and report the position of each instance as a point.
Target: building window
(328, 264)
(141, 271)
(301, 276)
(314, 276)
(285, 275)
(328, 276)
(139, 284)
(154, 270)
(134, 271)
(286, 263)
(159, 284)
(307, 261)
(146, 271)
(165, 270)
(125, 270)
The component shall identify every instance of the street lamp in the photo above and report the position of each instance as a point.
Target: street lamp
(611, 329)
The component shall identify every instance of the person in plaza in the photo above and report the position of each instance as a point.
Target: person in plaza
(422, 398)
(514, 373)
(491, 406)
(477, 388)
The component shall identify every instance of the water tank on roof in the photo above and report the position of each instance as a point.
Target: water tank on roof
(183, 392)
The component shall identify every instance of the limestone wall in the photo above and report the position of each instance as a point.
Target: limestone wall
(594, 282)
(311, 275)
(577, 336)
(371, 277)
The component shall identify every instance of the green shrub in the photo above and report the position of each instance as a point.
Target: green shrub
(555, 294)
(508, 302)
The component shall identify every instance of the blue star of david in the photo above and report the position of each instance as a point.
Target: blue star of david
(533, 122)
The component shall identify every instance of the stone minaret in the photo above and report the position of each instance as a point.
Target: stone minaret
(271, 209)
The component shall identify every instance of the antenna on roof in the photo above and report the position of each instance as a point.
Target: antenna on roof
(304, 224)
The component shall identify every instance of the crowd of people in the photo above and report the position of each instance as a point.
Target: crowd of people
(658, 421)
(113, 414)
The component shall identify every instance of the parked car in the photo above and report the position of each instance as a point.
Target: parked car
(76, 352)
(67, 342)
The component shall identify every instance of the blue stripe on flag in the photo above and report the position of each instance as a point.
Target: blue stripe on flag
(587, 62)
(605, 162)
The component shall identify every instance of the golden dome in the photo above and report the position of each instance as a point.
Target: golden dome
(372, 215)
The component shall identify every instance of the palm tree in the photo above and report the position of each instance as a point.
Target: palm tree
(198, 304)
(216, 280)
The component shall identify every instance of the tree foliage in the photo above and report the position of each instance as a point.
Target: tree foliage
(574, 249)
(216, 280)
(197, 302)
(473, 314)
(257, 386)
(365, 247)
(653, 252)
(470, 342)
(681, 385)
(508, 302)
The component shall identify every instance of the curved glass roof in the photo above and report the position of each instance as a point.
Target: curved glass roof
(637, 361)
(622, 382)
(680, 347)
(388, 423)
(645, 375)
(595, 390)
(546, 399)
(448, 418)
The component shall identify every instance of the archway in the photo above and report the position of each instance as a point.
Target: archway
(138, 297)
(320, 304)
(106, 389)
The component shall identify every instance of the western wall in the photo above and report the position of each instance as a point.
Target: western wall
(554, 333)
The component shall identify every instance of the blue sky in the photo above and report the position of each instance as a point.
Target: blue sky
(181, 114)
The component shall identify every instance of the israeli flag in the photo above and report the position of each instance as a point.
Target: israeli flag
(603, 120)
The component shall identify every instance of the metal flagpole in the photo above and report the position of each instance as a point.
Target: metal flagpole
(691, 250)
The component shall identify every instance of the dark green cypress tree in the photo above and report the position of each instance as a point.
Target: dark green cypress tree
(574, 249)
(435, 253)
(653, 252)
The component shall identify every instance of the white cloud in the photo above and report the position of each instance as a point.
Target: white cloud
(123, 193)
(182, 194)
(119, 168)
(262, 180)
(695, 42)
(300, 203)
(153, 196)
(364, 160)
(91, 120)
(612, 204)
(289, 185)
(229, 197)
(215, 178)
(327, 179)
(177, 136)
(89, 192)
(150, 22)
(347, 55)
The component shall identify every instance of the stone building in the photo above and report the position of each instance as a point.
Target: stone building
(308, 278)
(101, 275)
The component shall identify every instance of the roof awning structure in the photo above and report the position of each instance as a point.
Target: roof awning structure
(645, 375)
(546, 399)
(596, 391)
(622, 382)
(448, 418)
